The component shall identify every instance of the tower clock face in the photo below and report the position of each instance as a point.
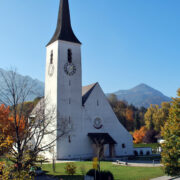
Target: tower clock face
(70, 69)
(51, 70)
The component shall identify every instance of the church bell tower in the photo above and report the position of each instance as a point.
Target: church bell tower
(63, 82)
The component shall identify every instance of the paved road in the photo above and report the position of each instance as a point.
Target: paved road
(166, 178)
(159, 178)
(139, 163)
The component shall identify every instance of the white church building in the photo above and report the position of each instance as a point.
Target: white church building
(87, 108)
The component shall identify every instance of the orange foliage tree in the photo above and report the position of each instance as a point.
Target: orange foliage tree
(130, 119)
(29, 128)
(138, 135)
(6, 135)
(8, 126)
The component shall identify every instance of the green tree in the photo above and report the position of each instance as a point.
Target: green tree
(137, 123)
(120, 110)
(148, 117)
(112, 98)
(171, 135)
(160, 115)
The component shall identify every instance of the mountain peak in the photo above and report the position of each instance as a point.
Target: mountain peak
(143, 88)
(142, 95)
(142, 85)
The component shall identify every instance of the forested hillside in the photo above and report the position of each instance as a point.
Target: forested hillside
(144, 124)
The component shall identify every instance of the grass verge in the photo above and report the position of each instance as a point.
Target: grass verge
(119, 172)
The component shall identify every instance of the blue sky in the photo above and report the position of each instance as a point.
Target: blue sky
(125, 42)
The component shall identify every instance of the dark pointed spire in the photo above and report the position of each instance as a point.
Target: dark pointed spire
(64, 30)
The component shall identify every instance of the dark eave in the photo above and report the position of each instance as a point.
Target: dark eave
(64, 30)
(101, 138)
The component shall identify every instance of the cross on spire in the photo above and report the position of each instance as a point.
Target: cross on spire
(64, 30)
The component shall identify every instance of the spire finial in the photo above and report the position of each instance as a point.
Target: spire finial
(64, 30)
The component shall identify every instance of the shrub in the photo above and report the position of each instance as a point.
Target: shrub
(105, 175)
(70, 168)
(8, 171)
(92, 172)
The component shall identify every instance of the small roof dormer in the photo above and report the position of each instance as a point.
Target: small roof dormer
(64, 30)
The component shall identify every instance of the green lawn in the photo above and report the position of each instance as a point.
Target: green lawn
(119, 172)
(152, 145)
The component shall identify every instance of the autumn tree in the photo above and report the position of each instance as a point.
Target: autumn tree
(139, 135)
(156, 116)
(171, 135)
(148, 117)
(6, 135)
(29, 128)
(160, 115)
(130, 119)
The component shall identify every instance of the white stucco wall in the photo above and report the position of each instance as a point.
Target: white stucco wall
(143, 151)
(69, 89)
(111, 124)
(65, 94)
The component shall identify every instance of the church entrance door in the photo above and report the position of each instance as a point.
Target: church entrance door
(111, 150)
(100, 140)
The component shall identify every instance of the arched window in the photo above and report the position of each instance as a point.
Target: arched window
(123, 146)
(135, 153)
(141, 153)
(51, 57)
(69, 56)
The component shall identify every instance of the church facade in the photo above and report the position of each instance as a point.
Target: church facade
(85, 108)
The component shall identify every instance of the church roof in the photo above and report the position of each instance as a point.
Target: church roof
(86, 91)
(64, 30)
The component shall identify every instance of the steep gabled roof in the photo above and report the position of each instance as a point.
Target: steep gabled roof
(86, 91)
(64, 30)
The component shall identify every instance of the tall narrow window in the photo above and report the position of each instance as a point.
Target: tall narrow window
(69, 56)
(51, 57)
(69, 139)
(69, 119)
(69, 82)
(69, 101)
(97, 103)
